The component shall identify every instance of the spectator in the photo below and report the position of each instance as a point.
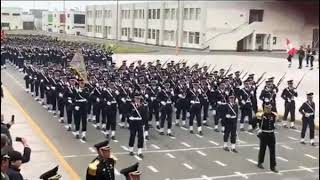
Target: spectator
(4, 141)
(26, 149)
(14, 167)
(4, 164)
(5, 129)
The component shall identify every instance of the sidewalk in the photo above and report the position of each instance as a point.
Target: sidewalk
(42, 158)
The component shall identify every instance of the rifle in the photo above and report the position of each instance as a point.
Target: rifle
(259, 79)
(300, 80)
(281, 79)
(208, 68)
(164, 63)
(244, 75)
(241, 72)
(228, 70)
(260, 83)
(213, 68)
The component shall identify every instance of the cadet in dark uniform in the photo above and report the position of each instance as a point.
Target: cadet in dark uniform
(308, 113)
(301, 55)
(267, 136)
(165, 98)
(195, 96)
(131, 172)
(246, 105)
(136, 125)
(232, 115)
(51, 174)
(102, 167)
(288, 94)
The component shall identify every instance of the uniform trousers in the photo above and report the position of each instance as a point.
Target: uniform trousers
(136, 129)
(230, 129)
(267, 140)
(305, 123)
(166, 115)
(80, 115)
(289, 107)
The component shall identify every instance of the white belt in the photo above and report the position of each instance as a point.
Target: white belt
(268, 131)
(81, 100)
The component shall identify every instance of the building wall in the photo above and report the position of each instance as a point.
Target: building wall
(15, 22)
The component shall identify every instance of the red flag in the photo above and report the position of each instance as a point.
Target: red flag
(290, 49)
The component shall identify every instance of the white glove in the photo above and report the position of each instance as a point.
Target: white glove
(131, 118)
(117, 92)
(69, 101)
(108, 103)
(192, 102)
(214, 112)
(172, 93)
(259, 131)
(120, 116)
(199, 91)
(243, 102)
(77, 108)
(98, 100)
(266, 100)
(251, 92)
(228, 116)
(41, 80)
(53, 88)
(180, 96)
(48, 88)
(60, 95)
(123, 100)
(227, 93)
(274, 90)
(289, 100)
(163, 103)
(147, 96)
(306, 114)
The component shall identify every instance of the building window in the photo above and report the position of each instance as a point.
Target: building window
(185, 36)
(169, 35)
(98, 29)
(68, 15)
(89, 13)
(15, 14)
(197, 38)
(274, 40)
(125, 31)
(5, 14)
(191, 37)
(149, 13)
(135, 32)
(153, 34)
(135, 14)
(191, 14)
(185, 13)
(154, 14)
(173, 13)
(198, 12)
(142, 13)
(166, 13)
(158, 13)
(149, 33)
(89, 28)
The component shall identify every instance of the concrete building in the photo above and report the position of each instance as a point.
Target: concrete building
(71, 22)
(214, 25)
(37, 13)
(15, 19)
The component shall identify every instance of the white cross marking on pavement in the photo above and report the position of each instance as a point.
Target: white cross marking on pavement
(153, 169)
(138, 158)
(292, 138)
(252, 161)
(312, 157)
(116, 172)
(170, 155)
(242, 142)
(282, 159)
(256, 148)
(305, 168)
(220, 163)
(187, 166)
(205, 177)
(155, 146)
(115, 141)
(82, 141)
(201, 153)
(184, 128)
(242, 175)
(185, 144)
(286, 147)
(199, 136)
(92, 149)
(125, 148)
(212, 142)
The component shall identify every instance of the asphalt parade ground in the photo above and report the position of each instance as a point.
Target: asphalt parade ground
(184, 156)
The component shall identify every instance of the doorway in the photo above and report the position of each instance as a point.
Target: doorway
(157, 36)
(255, 15)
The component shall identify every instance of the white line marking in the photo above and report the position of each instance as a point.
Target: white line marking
(287, 147)
(305, 168)
(153, 169)
(209, 127)
(155, 146)
(92, 149)
(248, 132)
(312, 157)
(184, 128)
(115, 141)
(116, 172)
(252, 161)
(185, 144)
(172, 137)
(205, 177)
(242, 175)
(242, 142)
(256, 148)
(125, 148)
(199, 136)
(282, 159)
(170, 155)
(187, 166)
(201, 153)
(82, 141)
(220, 163)
(292, 138)
(138, 158)
(296, 130)
(212, 142)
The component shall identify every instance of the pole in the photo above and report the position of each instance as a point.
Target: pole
(65, 17)
(117, 21)
(177, 29)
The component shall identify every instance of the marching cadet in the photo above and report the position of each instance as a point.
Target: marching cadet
(53, 92)
(181, 102)
(246, 105)
(165, 97)
(69, 101)
(125, 97)
(131, 172)
(36, 79)
(51, 174)
(60, 99)
(153, 103)
(221, 101)
(136, 125)
(288, 94)
(42, 87)
(102, 167)
(144, 110)
(195, 95)
(232, 114)
(307, 110)
(96, 96)
(205, 101)
(267, 95)
(267, 136)
(111, 111)
(80, 109)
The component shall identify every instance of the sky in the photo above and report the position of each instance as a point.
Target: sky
(54, 4)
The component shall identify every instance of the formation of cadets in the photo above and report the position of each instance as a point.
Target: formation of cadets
(148, 93)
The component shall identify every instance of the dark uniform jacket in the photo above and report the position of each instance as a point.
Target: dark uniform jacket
(101, 169)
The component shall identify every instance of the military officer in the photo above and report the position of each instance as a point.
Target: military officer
(288, 94)
(307, 110)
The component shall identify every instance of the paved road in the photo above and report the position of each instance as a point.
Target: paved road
(183, 157)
